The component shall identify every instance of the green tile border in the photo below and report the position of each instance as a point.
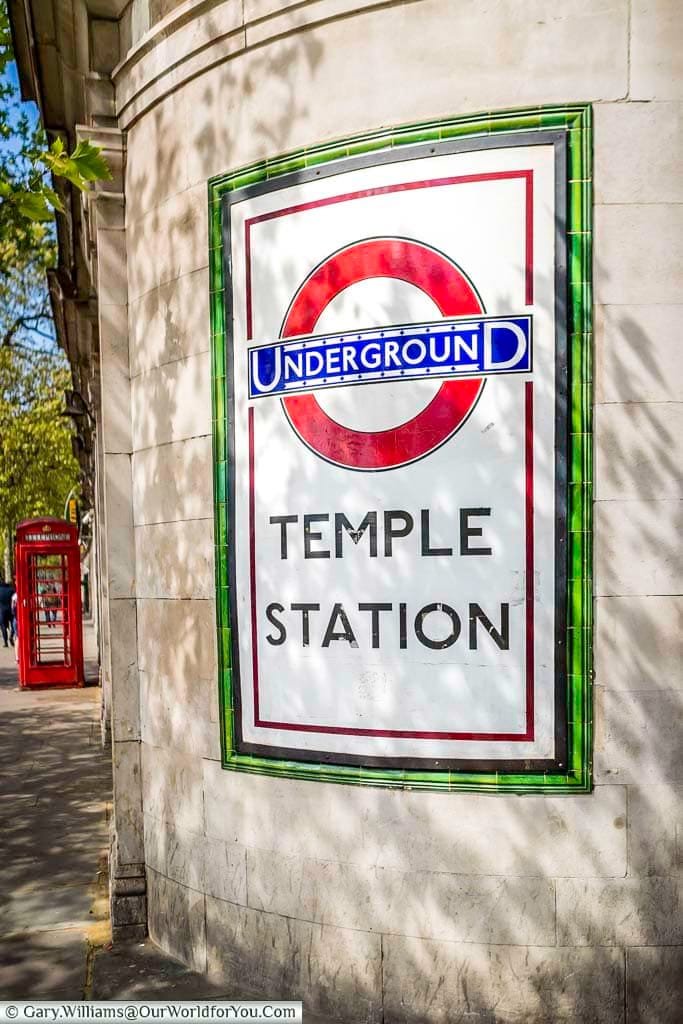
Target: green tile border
(576, 121)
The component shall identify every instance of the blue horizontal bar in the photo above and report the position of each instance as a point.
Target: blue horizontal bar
(466, 347)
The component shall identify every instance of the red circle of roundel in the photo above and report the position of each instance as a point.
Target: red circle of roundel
(450, 290)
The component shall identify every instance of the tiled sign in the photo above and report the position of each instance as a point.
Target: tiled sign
(401, 355)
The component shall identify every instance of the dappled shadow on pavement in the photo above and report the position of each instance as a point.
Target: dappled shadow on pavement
(55, 788)
(55, 793)
(139, 971)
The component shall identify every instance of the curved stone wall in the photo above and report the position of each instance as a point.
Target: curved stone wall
(373, 904)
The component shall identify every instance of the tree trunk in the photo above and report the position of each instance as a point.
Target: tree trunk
(9, 555)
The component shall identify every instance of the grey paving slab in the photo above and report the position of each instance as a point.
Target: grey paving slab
(31, 906)
(47, 964)
(55, 787)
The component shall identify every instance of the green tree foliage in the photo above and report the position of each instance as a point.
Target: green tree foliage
(37, 467)
(27, 198)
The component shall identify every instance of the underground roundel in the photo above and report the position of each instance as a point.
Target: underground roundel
(395, 483)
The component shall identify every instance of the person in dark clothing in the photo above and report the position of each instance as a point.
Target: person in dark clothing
(15, 610)
(6, 591)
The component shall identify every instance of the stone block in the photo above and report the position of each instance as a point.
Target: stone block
(175, 560)
(172, 787)
(655, 831)
(639, 450)
(226, 871)
(119, 526)
(635, 350)
(124, 669)
(623, 233)
(156, 839)
(334, 971)
(139, 18)
(128, 823)
(216, 144)
(127, 910)
(175, 853)
(104, 37)
(170, 322)
(172, 403)
(118, 490)
(459, 833)
(176, 920)
(130, 886)
(177, 639)
(156, 165)
(189, 858)
(619, 912)
(112, 284)
(654, 985)
(637, 548)
(107, 208)
(639, 643)
(120, 562)
(159, 9)
(638, 152)
(168, 242)
(656, 65)
(128, 933)
(637, 737)
(173, 482)
(448, 982)
(266, 19)
(215, 714)
(176, 713)
(132, 871)
(433, 905)
(143, 236)
(115, 399)
(100, 101)
(254, 10)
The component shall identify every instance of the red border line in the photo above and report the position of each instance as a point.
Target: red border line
(252, 568)
(410, 186)
(528, 734)
(529, 231)
(530, 583)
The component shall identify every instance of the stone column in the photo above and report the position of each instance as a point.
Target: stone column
(107, 232)
(102, 587)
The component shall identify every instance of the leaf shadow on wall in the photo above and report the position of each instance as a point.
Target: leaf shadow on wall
(407, 906)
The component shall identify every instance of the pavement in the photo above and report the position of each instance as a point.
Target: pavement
(55, 792)
(55, 803)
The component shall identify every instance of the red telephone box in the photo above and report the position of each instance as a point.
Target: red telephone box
(49, 620)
